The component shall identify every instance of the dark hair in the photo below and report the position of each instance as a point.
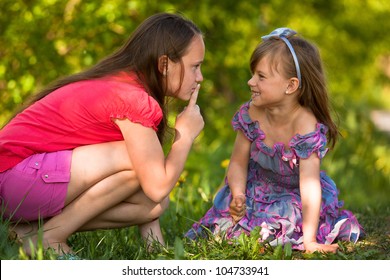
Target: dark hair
(161, 34)
(314, 93)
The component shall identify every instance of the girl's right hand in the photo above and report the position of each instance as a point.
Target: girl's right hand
(190, 122)
(311, 247)
(238, 207)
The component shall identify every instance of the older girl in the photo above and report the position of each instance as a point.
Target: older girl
(87, 153)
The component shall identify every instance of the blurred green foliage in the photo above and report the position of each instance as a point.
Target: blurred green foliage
(41, 40)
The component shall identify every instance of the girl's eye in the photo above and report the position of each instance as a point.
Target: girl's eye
(196, 67)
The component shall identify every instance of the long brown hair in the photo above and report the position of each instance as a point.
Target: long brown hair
(314, 93)
(161, 34)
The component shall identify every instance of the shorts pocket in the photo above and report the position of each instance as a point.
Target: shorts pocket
(35, 161)
(55, 177)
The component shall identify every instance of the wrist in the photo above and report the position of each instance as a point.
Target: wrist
(238, 194)
(307, 241)
(181, 137)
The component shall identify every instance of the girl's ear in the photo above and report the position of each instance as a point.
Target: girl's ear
(163, 64)
(292, 86)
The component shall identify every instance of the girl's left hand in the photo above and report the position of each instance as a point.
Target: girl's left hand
(325, 248)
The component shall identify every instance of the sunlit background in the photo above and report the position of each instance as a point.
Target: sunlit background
(44, 39)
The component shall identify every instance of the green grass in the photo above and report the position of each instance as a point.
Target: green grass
(126, 244)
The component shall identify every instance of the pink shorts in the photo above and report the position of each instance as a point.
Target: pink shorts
(35, 188)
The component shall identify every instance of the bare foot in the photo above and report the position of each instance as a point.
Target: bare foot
(23, 230)
(27, 233)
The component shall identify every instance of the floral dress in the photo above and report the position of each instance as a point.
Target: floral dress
(273, 200)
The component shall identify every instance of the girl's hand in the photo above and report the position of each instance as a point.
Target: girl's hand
(190, 122)
(325, 248)
(238, 207)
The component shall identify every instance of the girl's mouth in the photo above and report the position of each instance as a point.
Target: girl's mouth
(255, 93)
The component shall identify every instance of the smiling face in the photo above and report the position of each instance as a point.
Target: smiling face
(183, 76)
(268, 86)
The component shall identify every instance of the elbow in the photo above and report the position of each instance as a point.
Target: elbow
(157, 199)
(156, 196)
(157, 190)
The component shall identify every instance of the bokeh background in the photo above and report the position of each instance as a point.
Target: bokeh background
(42, 40)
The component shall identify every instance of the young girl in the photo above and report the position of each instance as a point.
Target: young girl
(274, 179)
(87, 153)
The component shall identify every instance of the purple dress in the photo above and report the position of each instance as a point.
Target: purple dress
(273, 199)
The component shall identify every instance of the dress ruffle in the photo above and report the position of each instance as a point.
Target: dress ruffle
(273, 200)
(315, 142)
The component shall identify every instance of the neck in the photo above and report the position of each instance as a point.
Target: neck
(280, 116)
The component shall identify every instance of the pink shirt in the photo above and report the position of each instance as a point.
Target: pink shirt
(77, 114)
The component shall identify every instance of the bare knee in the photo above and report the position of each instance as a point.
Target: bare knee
(129, 178)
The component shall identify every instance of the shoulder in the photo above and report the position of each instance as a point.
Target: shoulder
(311, 137)
(118, 96)
(107, 93)
(242, 121)
(100, 88)
(120, 89)
(305, 122)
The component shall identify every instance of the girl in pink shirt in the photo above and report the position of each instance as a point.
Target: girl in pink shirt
(87, 152)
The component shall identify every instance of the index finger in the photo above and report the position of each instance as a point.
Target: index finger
(194, 96)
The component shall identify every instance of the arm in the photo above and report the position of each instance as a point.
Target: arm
(237, 175)
(157, 174)
(310, 188)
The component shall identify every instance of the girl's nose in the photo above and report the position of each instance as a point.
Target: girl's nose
(199, 77)
(250, 81)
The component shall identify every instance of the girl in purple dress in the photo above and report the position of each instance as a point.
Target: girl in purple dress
(274, 179)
